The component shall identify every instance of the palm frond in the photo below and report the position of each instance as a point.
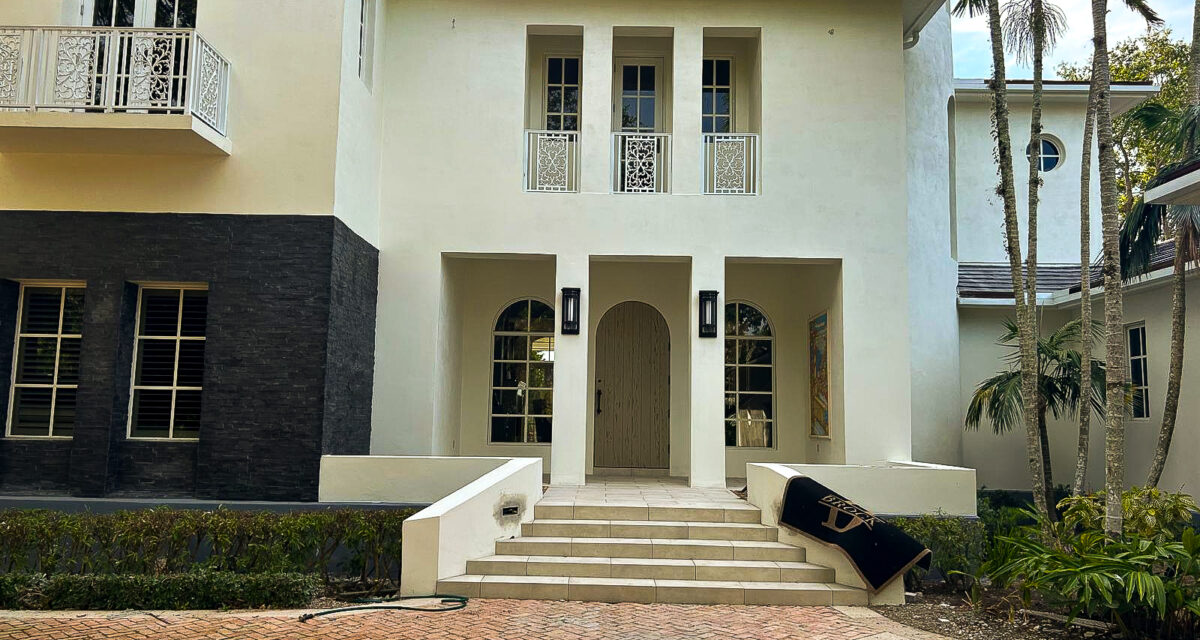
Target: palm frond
(1018, 27)
(999, 398)
(1141, 232)
(1143, 9)
(970, 8)
(1185, 223)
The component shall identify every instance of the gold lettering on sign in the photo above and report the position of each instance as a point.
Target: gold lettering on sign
(841, 506)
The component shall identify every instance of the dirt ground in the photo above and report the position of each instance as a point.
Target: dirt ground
(949, 614)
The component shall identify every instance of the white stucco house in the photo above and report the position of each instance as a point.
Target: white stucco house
(646, 239)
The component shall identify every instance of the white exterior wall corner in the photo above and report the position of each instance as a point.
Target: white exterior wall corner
(933, 271)
(359, 128)
(282, 121)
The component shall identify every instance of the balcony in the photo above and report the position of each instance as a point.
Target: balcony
(730, 163)
(83, 89)
(552, 161)
(641, 162)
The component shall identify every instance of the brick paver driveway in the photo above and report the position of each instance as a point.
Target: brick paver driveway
(500, 619)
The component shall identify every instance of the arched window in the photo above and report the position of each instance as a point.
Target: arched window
(749, 377)
(522, 373)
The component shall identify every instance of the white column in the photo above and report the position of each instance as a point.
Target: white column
(596, 125)
(685, 110)
(707, 376)
(568, 447)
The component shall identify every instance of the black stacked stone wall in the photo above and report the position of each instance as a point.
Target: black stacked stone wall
(291, 299)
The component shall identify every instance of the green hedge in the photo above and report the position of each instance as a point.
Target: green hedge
(163, 541)
(959, 548)
(197, 590)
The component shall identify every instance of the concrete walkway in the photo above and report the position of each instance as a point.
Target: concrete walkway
(490, 619)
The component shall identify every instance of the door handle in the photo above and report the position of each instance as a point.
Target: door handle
(599, 394)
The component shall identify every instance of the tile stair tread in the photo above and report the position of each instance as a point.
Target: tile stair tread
(752, 564)
(844, 593)
(764, 544)
(650, 523)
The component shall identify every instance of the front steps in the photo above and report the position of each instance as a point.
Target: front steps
(601, 551)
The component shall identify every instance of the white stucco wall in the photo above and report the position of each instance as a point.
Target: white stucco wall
(1001, 460)
(933, 271)
(452, 183)
(980, 212)
(282, 120)
(359, 129)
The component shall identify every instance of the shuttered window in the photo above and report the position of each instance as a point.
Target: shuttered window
(168, 371)
(46, 361)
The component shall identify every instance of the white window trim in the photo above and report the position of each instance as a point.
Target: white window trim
(773, 422)
(17, 335)
(133, 386)
(492, 362)
(1130, 360)
(732, 86)
(1058, 144)
(662, 94)
(545, 89)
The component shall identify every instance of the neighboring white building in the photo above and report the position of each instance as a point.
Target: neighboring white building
(621, 236)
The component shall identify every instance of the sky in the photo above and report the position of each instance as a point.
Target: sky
(973, 53)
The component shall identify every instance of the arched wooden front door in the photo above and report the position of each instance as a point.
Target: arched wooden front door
(633, 389)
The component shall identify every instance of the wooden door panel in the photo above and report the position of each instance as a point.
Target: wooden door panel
(633, 368)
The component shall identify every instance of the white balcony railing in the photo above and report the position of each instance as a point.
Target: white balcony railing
(107, 69)
(551, 161)
(641, 162)
(730, 163)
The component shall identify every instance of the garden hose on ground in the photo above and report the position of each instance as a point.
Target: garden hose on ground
(448, 603)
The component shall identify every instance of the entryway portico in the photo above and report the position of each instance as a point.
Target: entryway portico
(639, 390)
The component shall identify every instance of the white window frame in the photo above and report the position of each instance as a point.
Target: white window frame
(1060, 156)
(732, 86)
(1142, 361)
(144, 12)
(661, 94)
(492, 388)
(366, 42)
(174, 387)
(54, 386)
(545, 88)
(772, 422)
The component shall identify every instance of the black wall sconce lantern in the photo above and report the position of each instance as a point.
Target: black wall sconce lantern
(708, 314)
(570, 311)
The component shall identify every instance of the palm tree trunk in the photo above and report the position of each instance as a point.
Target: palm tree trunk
(1167, 431)
(1044, 440)
(1114, 432)
(1085, 294)
(1027, 312)
(1178, 298)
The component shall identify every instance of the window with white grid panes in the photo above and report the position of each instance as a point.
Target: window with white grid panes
(522, 374)
(45, 376)
(168, 362)
(749, 377)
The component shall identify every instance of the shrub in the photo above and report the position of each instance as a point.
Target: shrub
(196, 590)
(166, 541)
(1147, 582)
(957, 544)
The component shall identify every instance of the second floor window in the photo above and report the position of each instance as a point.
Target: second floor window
(168, 373)
(46, 362)
(562, 94)
(717, 96)
(1139, 370)
(366, 41)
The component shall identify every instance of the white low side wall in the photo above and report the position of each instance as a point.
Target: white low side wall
(899, 488)
(419, 479)
(466, 524)
(882, 489)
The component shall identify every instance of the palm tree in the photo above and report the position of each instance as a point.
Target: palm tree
(999, 398)
(1007, 191)
(1085, 281)
(1147, 225)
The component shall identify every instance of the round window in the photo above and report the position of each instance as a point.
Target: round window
(1051, 154)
